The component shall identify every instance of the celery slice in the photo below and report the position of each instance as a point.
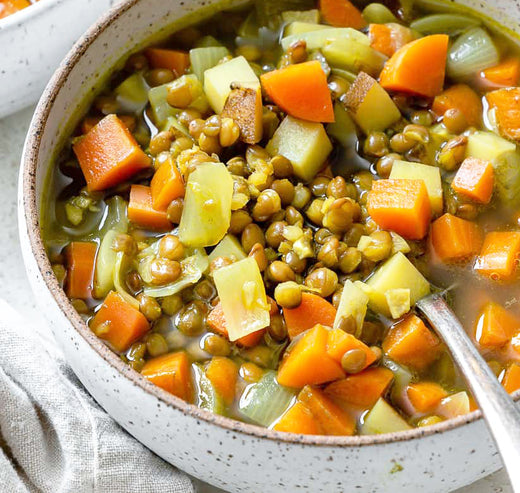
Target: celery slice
(318, 39)
(132, 94)
(229, 247)
(383, 418)
(202, 59)
(120, 268)
(105, 265)
(311, 16)
(207, 397)
(207, 42)
(451, 24)
(160, 108)
(116, 216)
(377, 13)
(265, 401)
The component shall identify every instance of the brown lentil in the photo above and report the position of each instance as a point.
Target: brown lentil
(252, 234)
(354, 361)
(170, 247)
(279, 271)
(258, 253)
(174, 211)
(164, 271)
(216, 345)
(324, 280)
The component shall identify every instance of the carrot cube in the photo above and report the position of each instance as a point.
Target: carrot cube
(455, 239)
(339, 342)
(495, 326)
(166, 185)
(176, 61)
(511, 380)
(172, 373)
(462, 98)
(118, 322)
(81, 262)
(505, 74)
(499, 255)
(402, 206)
(411, 343)
(108, 154)
(341, 13)
(298, 419)
(223, 374)
(475, 179)
(506, 105)
(425, 396)
(142, 212)
(308, 363)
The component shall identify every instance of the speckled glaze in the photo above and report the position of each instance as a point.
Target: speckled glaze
(32, 43)
(229, 454)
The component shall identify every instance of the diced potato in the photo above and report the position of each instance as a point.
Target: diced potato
(370, 105)
(299, 27)
(207, 205)
(316, 40)
(132, 93)
(242, 294)
(398, 302)
(305, 144)
(383, 418)
(244, 105)
(505, 159)
(219, 79)
(351, 55)
(353, 303)
(454, 405)
(396, 273)
(431, 176)
(229, 247)
(399, 244)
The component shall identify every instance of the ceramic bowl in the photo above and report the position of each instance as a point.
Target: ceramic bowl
(232, 455)
(33, 42)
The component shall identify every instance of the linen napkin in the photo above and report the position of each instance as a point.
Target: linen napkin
(54, 438)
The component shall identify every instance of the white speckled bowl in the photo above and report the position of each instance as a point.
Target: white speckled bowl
(32, 43)
(226, 453)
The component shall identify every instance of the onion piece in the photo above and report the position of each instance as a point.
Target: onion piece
(451, 24)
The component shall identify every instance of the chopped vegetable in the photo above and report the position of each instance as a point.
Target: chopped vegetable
(388, 38)
(132, 93)
(228, 247)
(505, 74)
(495, 326)
(343, 129)
(244, 106)
(339, 342)
(242, 294)
(81, 260)
(219, 80)
(176, 61)
(383, 418)
(511, 380)
(301, 90)
(399, 302)
(310, 16)
(454, 405)
(172, 373)
(206, 394)
(141, 211)
(202, 59)
(498, 258)
(166, 185)
(307, 362)
(105, 265)
(361, 390)
(475, 179)
(341, 13)
(418, 67)
(318, 38)
(425, 396)
(455, 239)
(305, 144)
(505, 105)
(460, 97)
(430, 175)
(312, 310)
(402, 206)
(298, 419)
(119, 323)
(370, 105)
(451, 24)
(207, 205)
(264, 401)
(223, 374)
(353, 303)
(411, 343)
(109, 154)
(377, 13)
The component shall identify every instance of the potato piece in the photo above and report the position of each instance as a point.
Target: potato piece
(244, 105)
(398, 302)
(383, 418)
(431, 176)
(396, 273)
(305, 144)
(297, 27)
(370, 105)
(219, 80)
(230, 247)
(317, 39)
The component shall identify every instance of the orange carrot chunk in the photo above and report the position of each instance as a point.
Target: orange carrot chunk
(462, 98)
(506, 106)
(331, 418)
(141, 211)
(108, 154)
(475, 179)
(166, 185)
(81, 262)
(312, 310)
(8, 7)
(425, 396)
(118, 322)
(495, 326)
(307, 363)
(301, 90)
(402, 206)
(505, 74)
(339, 342)
(411, 343)
(418, 67)
(388, 38)
(176, 61)
(499, 255)
(511, 380)
(361, 390)
(298, 419)
(172, 373)
(217, 323)
(341, 13)
(223, 374)
(455, 239)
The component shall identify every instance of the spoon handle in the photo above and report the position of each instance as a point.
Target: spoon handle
(499, 410)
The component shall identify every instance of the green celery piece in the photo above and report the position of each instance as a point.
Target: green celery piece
(105, 264)
(116, 217)
(318, 39)
(207, 42)
(207, 397)
(132, 94)
(377, 13)
(451, 24)
(160, 107)
(311, 16)
(202, 59)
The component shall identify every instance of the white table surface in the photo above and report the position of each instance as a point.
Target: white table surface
(15, 287)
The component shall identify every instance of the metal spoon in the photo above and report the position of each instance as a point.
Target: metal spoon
(499, 410)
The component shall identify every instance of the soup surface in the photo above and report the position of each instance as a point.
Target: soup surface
(8, 7)
(249, 211)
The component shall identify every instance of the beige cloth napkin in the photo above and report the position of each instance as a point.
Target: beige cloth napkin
(54, 438)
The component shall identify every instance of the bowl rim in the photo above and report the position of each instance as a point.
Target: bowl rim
(33, 10)
(31, 224)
